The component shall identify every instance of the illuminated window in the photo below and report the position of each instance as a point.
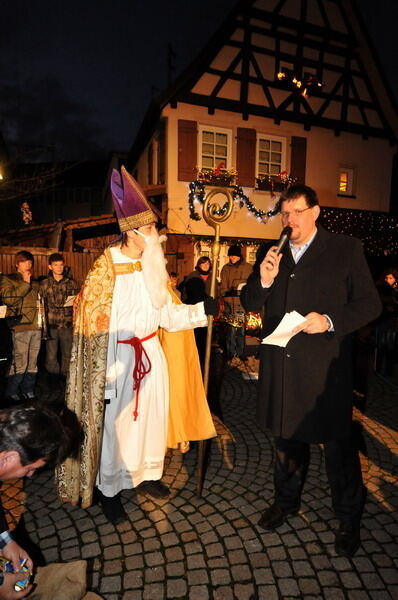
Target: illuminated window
(271, 155)
(343, 183)
(346, 181)
(214, 147)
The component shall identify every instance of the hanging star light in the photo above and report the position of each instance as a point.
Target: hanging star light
(304, 85)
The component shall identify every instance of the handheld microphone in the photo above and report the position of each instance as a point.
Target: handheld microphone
(284, 238)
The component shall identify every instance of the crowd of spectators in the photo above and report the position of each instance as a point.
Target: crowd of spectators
(38, 314)
(36, 310)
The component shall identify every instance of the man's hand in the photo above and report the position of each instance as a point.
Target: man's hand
(7, 591)
(269, 268)
(314, 323)
(14, 553)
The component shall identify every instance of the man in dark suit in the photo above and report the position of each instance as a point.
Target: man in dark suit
(305, 389)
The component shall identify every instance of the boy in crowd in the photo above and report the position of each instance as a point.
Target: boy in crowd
(55, 290)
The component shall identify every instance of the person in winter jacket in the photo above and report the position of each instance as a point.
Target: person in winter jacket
(19, 292)
(55, 290)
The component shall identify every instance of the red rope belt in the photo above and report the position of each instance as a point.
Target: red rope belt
(140, 370)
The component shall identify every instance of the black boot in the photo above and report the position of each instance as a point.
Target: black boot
(112, 508)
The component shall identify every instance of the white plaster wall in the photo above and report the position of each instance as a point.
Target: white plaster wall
(326, 152)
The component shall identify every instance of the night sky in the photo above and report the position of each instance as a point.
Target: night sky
(77, 76)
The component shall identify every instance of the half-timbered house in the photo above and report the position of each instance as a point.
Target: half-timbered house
(285, 90)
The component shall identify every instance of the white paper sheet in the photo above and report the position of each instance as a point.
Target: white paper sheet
(284, 332)
(69, 301)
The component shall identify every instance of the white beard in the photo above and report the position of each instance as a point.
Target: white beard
(154, 269)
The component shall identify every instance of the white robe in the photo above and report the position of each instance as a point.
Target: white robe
(133, 451)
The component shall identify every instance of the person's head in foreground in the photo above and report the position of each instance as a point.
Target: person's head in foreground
(34, 436)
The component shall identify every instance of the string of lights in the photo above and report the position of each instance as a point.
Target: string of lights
(228, 240)
(377, 231)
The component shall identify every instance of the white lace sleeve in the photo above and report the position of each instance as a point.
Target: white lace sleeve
(177, 317)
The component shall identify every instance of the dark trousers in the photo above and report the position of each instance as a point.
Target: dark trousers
(343, 470)
(23, 370)
(235, 340)
(59, 338)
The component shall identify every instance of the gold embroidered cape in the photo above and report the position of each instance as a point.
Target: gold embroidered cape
(189, 415)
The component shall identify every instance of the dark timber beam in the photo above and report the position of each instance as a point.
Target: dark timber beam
(264, 111)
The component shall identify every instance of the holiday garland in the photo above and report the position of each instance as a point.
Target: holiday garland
(197, 193)
(377, 230)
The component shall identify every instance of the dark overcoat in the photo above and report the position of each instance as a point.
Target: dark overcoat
(305, 389)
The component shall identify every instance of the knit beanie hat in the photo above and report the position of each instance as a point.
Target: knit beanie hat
(235, 250)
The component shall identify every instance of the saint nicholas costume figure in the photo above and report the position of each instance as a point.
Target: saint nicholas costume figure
(134, 379)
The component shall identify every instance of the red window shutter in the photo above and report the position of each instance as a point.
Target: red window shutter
(246, 156)
(187, 149)
(298, 158)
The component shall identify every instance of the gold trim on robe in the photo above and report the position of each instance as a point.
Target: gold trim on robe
(124, 268)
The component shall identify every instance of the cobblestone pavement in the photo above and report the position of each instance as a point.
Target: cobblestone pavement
(211, 548)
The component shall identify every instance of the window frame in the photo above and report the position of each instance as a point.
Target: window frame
(351, 171)
(213, 129)
(273, 138)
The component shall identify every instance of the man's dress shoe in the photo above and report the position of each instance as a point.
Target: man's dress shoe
(274, 517)
(347, 540)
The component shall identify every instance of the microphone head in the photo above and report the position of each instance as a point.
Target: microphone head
(284, 238)
(287, 231)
